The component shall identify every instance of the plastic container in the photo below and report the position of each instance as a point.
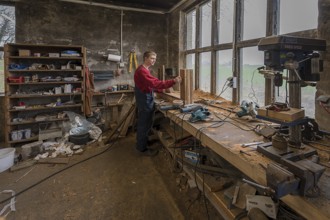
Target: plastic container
(6, 158)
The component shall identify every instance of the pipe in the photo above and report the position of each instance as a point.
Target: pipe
(176, 6)
(114, 6)
(121, 35)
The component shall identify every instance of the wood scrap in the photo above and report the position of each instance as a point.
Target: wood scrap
(56, 160)
(23, 165)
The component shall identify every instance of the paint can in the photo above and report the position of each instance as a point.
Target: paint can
(27, 133)
(67, 88)
(58, 90)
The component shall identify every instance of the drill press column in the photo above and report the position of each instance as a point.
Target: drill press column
(294, 102)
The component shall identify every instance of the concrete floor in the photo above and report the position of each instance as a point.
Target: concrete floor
(118, 184)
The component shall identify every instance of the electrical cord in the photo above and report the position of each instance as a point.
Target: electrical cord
(57, 172)
(253, 94)
(72, 165)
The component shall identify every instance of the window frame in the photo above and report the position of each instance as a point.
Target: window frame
(272, 28)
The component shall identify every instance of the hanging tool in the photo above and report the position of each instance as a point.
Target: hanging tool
(132, 58)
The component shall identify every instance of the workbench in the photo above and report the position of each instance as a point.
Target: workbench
(226, 141)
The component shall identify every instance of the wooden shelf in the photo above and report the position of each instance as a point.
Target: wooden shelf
(113, 92)
(45, 58)
(45, 108)
(36, 103)
(48, 71)
(36, 122)
(42, 96)
(34, 138)
(45, 83)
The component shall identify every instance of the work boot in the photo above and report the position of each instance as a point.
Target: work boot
(149, 152)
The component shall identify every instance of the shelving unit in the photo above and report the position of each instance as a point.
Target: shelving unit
(41, 80)
(110, 108)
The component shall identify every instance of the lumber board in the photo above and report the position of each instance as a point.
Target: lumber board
(284, 116)
(56, 160)
(23, 165)
(186, 86)
(127, 123)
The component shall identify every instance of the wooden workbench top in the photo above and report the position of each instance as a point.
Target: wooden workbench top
(225, 138)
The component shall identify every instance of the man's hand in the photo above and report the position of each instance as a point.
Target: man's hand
(178, 79)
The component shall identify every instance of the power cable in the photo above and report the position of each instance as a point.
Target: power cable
(72, 165)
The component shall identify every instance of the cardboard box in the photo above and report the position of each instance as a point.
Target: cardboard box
(24, 53)
(53, 54)
(283, 116)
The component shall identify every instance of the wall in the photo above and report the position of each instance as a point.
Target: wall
(2, 119)
(96, 28)
(323, 117)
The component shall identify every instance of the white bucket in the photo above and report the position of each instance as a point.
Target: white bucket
(6, 158)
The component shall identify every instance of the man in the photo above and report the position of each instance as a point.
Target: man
(145, 86)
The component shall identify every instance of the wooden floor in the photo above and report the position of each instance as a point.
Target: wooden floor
(117, 184)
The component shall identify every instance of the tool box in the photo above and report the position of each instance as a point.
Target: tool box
(15, 79)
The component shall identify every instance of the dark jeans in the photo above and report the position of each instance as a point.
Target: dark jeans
(145, 106)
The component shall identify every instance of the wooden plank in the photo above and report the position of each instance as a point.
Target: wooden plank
(182, 84)
(284, 116)
(186, 86)
(56, 160)
(189, 86)
(23, 165)
(123, 129)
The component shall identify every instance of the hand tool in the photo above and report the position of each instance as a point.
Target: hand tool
(251, 144)
(243, 152)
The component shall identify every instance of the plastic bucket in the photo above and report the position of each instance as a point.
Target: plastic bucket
(6, 158)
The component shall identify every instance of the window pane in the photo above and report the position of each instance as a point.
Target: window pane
(206, 25)
(298, 15)
(254, 19)
(308, 100)
(2, 77)
(224, 71)
(252, 83)
(191, 30)
(205, 72)
(190, 64)
(225, 21)
(7, 35)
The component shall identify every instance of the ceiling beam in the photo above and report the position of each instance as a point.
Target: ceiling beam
(116, 7)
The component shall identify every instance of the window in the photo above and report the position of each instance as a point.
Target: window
(298, 15)
(253, 83)
(205, 72)
(254, 19)
(7, 35)
(308, 100)
(191, 30)
(206, 24)
(223, 72)
(190, 64)
(225, 21)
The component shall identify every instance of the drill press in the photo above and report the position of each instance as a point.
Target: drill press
(298, 56)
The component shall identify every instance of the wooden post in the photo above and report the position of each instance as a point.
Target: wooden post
(186, 86)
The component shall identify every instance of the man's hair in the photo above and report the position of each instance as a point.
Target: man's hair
(148, 54)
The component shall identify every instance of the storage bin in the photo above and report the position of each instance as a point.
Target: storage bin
(6, 158)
